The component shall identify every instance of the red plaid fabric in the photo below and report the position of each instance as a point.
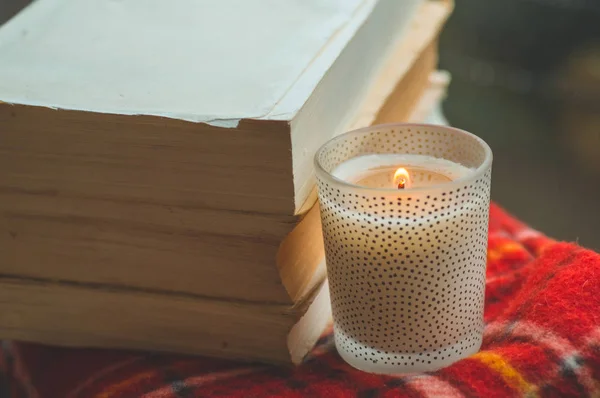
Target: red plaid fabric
(542, 338)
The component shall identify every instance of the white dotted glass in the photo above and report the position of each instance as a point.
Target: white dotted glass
(406, 267)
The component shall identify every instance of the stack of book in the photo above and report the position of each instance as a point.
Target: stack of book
(157, 188)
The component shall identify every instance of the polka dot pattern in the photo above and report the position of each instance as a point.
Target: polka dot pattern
(439, 142)
(406, 269)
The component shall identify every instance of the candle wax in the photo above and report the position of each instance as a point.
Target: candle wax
(377, 170)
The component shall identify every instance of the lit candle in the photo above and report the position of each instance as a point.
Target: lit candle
(406, 237)
(400, 171)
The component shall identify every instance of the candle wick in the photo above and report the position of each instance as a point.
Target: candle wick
(401, 177)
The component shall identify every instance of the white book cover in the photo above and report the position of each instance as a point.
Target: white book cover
(197, 60)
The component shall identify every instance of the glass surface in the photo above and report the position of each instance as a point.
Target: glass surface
(406, 267)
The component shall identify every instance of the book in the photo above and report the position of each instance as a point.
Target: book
(96, 315)
(197, 218)
(123, 200)
(285, 87)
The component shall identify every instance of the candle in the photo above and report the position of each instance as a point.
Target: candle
(405, 252)
(380, 170)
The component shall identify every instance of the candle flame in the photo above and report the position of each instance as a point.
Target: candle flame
(402, 178)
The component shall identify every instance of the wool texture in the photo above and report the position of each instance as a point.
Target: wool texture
(542, 338)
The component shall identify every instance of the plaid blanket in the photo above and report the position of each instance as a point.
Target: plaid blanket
(542, 338)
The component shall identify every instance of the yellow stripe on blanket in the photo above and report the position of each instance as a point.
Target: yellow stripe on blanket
(509, 374)
(113, 389)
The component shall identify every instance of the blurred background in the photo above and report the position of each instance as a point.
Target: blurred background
(526, 78)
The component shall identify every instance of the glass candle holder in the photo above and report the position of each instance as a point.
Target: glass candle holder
(405, 210)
